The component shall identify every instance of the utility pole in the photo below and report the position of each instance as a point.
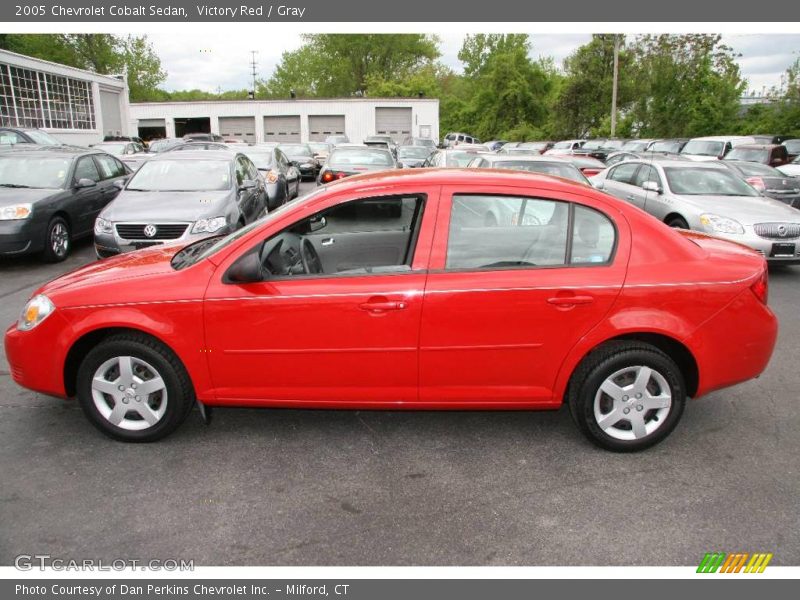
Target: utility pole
(254, 65)
(614, 87)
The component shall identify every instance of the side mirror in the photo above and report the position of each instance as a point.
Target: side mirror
(247, 184)
(316, 224)
(120, 183)
(247, 269)
(85, 182)
(651, 186)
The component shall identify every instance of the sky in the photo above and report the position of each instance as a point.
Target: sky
(194, 61)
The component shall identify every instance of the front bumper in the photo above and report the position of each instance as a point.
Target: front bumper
(31, 366)
(766, 247)
(111, 244)
(21, 236)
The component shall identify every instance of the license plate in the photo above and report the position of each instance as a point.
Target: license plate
(782, 250)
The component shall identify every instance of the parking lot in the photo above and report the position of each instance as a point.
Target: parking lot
(286, 487)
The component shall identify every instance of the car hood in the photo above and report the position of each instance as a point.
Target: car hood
(165, 206)
(10, 196)
(748, 210)
(131, 265)
(791, 170)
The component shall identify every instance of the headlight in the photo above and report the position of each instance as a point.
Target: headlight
(36, 310)
(209, 225)
(717, 224)
(102, 226)
(15, 211)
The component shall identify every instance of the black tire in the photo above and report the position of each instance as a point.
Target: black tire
(677, 222)
(601, 364)
(57, 240)
(180, 393)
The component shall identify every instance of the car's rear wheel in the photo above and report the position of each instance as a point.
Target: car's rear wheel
(627, 396)
(677, 222)
(134, 389)
(58, 240)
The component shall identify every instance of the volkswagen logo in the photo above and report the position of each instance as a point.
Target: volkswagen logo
(782, 231)
(150, 231)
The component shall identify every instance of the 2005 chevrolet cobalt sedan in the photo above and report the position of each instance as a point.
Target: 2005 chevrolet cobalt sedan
(393, 291)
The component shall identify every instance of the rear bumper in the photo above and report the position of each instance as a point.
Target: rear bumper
(735, 345)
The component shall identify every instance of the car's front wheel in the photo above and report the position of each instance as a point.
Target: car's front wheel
(627, 396)
(58, 240)
(134, 389)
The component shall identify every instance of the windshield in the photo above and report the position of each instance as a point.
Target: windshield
(116, 149)
(222, 242)
(547, 168)
(703, 148)
(635, 145)
(296, 149)
(792, 146)
(593, 145)
(181, 176)
(345, 157)
(666, 147)
(413, 152)
(751, 169)
(320, 148)
(690, 181)
(533, 145)
(45, 173)
(262, 160)
(42, 137)
(749, 154)
(562, 145)
(459, 159)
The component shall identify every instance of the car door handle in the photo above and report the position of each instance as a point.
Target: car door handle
(570, 300)
(327, 242)
(378, 306)
(631, 197)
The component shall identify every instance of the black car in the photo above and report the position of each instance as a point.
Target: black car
(767, 180)
(14, 135)
(599, 149)
(164, 144)
(52, 195)
(351, 160)
(281, 177)
(302, 156)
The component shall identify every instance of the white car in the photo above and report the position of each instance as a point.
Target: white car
(792, 169)
(713, 147)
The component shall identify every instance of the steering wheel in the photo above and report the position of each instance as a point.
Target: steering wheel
(309, 257)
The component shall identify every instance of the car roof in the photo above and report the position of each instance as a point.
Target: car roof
(671, 162)
(50, 151)
(529, 157)
(757, 146)
(196, 155)
(721, 138)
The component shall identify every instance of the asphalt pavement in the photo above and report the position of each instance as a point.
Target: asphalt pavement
(290, 487)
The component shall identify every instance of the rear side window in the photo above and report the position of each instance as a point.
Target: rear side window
(109, 166)
(85, 169)
(593, 237)
(502, 232)
(623, 173)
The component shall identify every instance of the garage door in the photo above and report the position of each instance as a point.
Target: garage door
(321, 126)
(109, 106)
(241, 128)
(395, 122)
(285, 128)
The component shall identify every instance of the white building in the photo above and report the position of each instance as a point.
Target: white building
(76, 106)
(259, 121)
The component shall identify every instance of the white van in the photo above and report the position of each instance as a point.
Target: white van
(713, 147)
(455, 139)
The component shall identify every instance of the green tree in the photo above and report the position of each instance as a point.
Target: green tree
(690, 85)
(477, 49)
(583, 104)
(143, 67)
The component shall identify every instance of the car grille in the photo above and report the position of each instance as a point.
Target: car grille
(777, 231)
(164, 231)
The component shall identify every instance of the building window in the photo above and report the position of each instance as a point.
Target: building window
(31, 98)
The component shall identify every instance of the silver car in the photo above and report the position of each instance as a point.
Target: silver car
(181, 196)
(710, 198)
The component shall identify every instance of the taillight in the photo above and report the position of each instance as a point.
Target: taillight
(327, 177)
(761, 287)
(757, 183)
(589, 171)
(272, 176)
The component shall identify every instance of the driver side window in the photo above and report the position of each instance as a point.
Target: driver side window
(373, 235)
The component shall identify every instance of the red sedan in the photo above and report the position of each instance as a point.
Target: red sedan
(425, 289)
